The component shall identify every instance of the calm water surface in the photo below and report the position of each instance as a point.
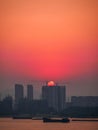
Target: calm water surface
(12, 124)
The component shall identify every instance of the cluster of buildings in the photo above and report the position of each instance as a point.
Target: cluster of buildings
(55, 97)
(53, 94)
(19, 92)
(53, 101)
(84, 101)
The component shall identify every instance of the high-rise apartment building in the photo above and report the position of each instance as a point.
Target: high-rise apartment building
(19, 94)
(54, 95)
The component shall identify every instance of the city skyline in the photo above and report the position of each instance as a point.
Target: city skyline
(38, 94)
(53, 40)
(54, 94)
(52, 103)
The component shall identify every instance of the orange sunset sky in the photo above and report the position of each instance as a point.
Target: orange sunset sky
(49, 40)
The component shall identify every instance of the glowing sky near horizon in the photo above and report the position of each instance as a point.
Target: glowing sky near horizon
(50, 39)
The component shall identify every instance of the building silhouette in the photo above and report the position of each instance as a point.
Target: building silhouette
(19, 92)
(6, 106)
(55, 96)
(84, 101)
(29, 92)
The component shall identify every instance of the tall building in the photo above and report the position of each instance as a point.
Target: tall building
(54, 95)
(29, 92)
(19, 94)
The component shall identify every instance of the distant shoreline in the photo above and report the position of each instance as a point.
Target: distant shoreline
(94, 119)
(84, 119)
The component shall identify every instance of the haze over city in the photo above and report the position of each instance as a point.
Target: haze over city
(49, 40)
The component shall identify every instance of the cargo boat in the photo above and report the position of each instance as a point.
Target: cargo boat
(63, 120)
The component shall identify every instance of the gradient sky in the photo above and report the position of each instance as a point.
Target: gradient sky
(49, 40)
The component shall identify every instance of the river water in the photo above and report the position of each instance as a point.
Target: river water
(27, 124)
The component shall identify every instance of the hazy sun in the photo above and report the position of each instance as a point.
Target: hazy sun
(51, 83)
